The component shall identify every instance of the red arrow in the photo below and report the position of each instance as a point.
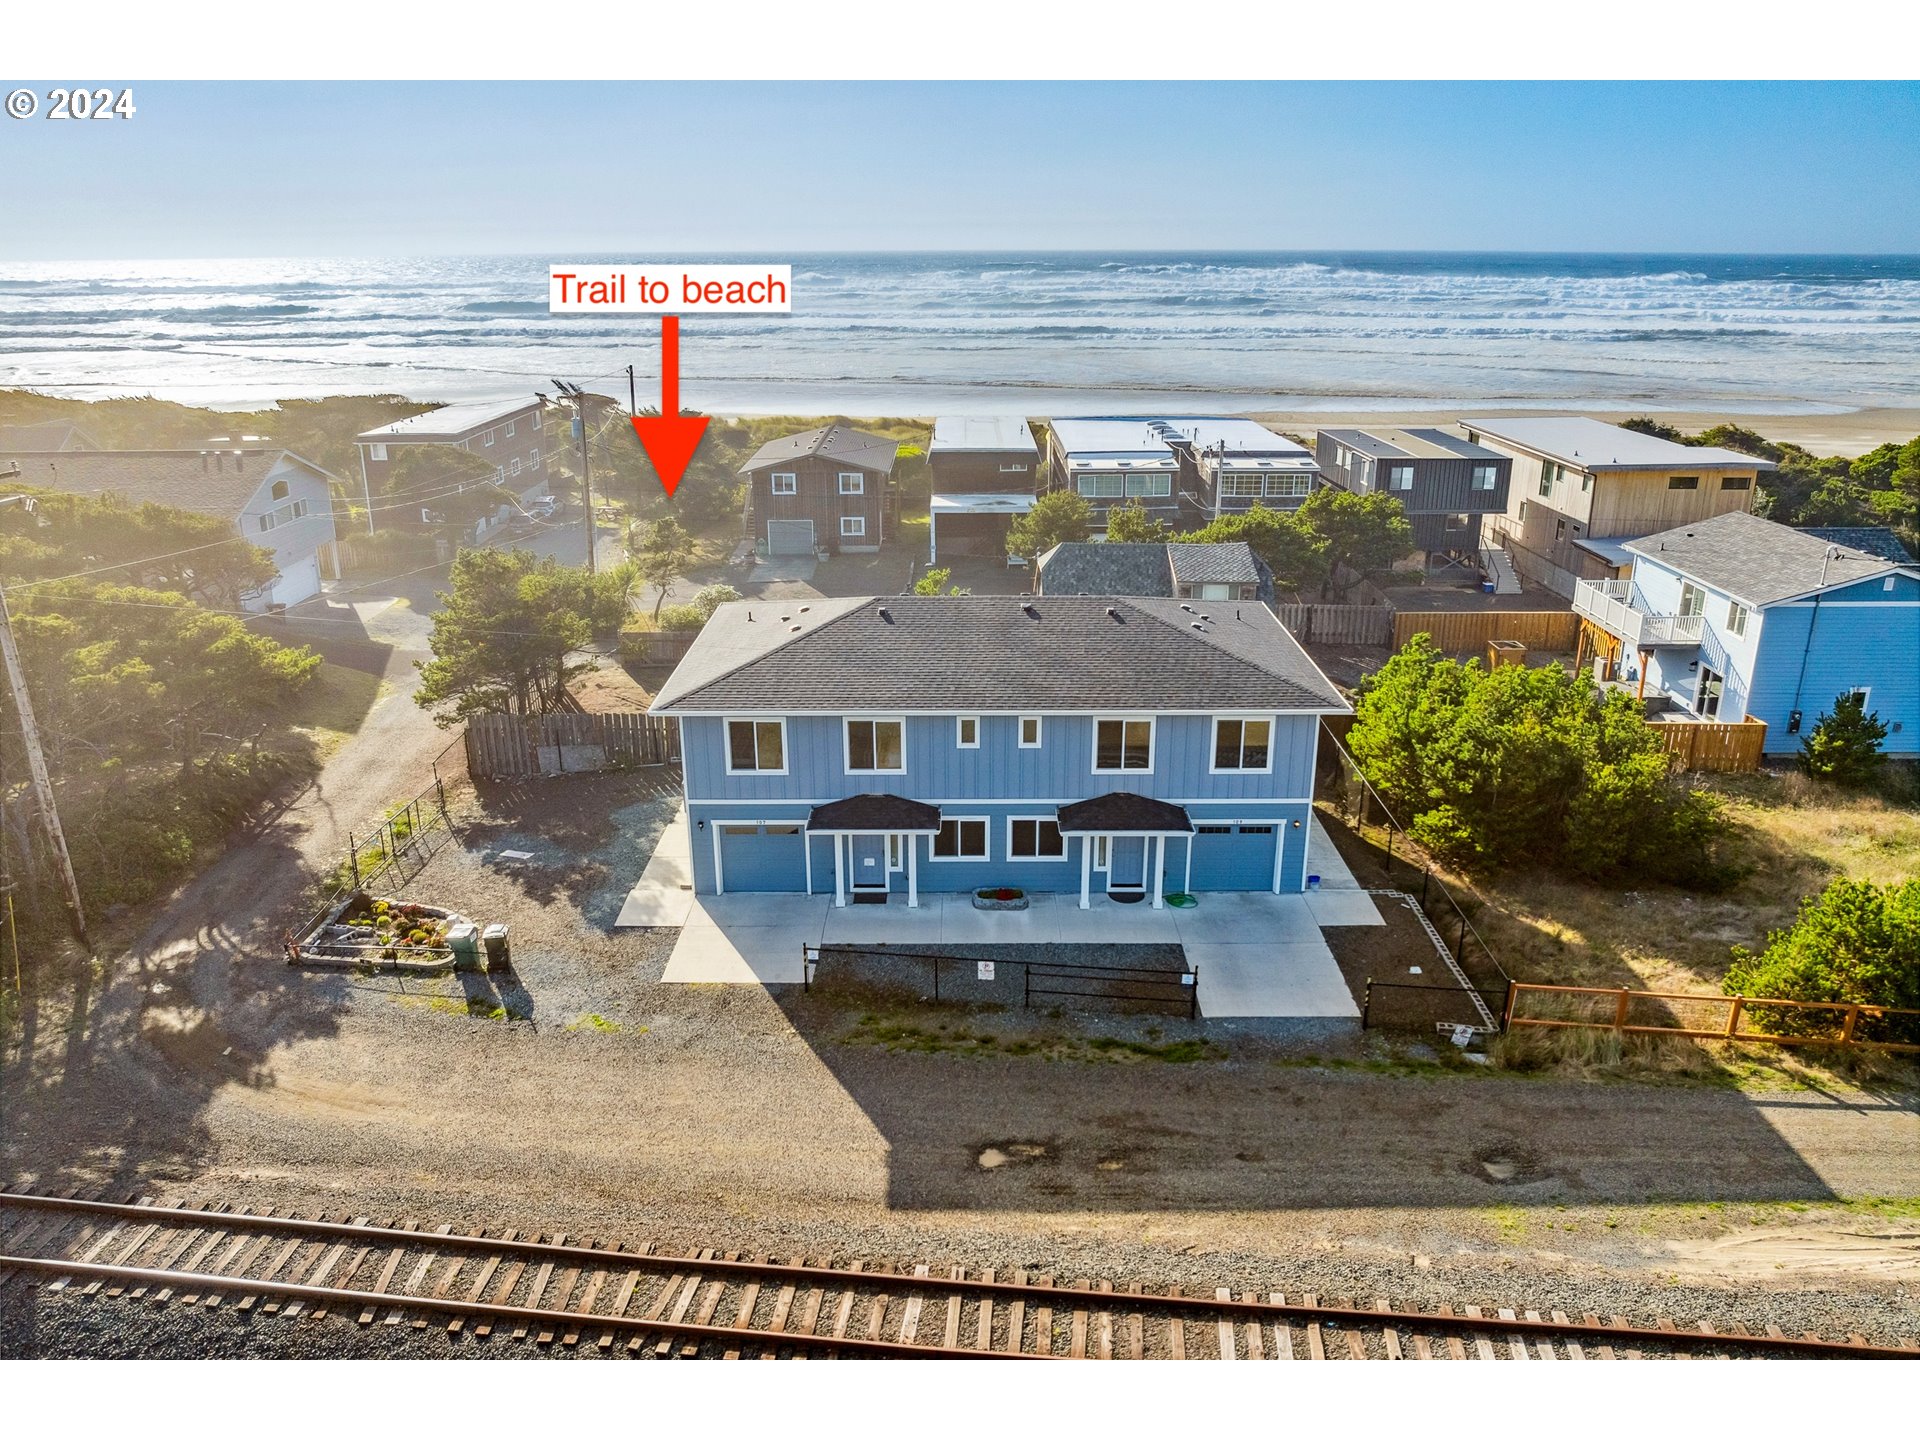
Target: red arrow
(670, 438)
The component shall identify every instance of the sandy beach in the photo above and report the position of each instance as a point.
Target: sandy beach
(1851, 432)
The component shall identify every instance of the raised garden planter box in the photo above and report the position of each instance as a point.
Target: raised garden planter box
(1003, 897)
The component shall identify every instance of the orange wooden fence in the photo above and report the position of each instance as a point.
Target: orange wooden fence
(1622, 1003)
(1458, 632)
(1709, 745)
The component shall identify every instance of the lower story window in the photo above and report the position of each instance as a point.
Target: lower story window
(961, 840)
(1034, 840)
(853, 525)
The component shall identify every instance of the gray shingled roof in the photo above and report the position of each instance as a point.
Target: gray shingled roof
(1872, 539)
(835, 442)
(874, 812)
(1755, 560)
(1085, 568)
(208, 482)
(1121, 812)
(44, 435)
(993, 653)
(1230, 562)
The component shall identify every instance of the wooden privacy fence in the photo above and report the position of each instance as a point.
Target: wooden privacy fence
(656, 647)
(1627, 1012)
(1709, 745)
(1337, 624)
(502, 747)
(1457, 632)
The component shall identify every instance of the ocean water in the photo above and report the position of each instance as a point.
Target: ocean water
(1044, 333)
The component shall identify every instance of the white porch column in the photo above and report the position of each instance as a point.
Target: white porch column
(839, 873)
(806, 854)
(1086, 872)
(912, 842)
(1187, 884)
(933, 536)
(1157, 876)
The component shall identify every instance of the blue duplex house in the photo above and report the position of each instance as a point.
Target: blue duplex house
(873, 749)
(1737, 618)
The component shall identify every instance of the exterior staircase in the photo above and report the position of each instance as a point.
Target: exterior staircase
(1498, 566)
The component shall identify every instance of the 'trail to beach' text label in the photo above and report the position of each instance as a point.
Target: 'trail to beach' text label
(671, 289)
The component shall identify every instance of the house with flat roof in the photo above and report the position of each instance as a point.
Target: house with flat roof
(1180, 570)
(1736, 618)
(1576, 479)
(1444, 483)
(1184, 469)
(986, 471)
(271, 496)
(820, 492)
(507, 434)
(874, 749)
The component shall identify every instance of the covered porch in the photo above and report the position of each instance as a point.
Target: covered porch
(1124, 836)
(976, 524)
(873, 840)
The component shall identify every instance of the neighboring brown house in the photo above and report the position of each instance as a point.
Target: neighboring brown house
(506, 434)
(821, 490)
(985, 471)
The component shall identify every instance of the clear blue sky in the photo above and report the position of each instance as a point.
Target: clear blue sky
(385, 169)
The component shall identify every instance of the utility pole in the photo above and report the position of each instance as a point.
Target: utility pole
(633, 396)
(37, 761)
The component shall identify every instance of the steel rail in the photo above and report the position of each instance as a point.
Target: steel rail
(480, 1310)
(819, 1275)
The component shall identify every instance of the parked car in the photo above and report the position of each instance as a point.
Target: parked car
(542, 507)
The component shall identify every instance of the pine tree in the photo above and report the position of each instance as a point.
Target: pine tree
(1845, 744)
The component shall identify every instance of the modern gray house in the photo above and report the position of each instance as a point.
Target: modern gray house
(986, 470)
(1184, 469)
(1444, 483)
(1179, 571)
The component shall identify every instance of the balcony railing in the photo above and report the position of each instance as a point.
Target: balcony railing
(1609, 604)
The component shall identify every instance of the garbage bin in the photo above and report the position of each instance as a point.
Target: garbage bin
(494, 940)
(464, 941)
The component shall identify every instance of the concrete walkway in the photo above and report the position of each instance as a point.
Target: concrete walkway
(1257, 954)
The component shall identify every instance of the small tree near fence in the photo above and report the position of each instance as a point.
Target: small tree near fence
(1855, 943)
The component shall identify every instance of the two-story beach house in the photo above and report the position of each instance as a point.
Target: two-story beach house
(271, 497)
(986, 471)
(1737, 618)
(1444, 483)
(506, 434)
(1582, 488)
(822, 491)
(1184, 469)
(873, 749)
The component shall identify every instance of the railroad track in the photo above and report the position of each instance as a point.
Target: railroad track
(551, 1290)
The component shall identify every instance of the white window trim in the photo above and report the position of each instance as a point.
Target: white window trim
(1010, 468)
(377, 451)
(897, 851)
(1394, 474)
(1737, 617)
(726, 741)
(488, 438)
(1013, 859)
(986, 840)
(1100, 851)
(859, 524)
(960, 740)
(533, 456)
(792, 486)
(1213, 753)
(1153, 729)
(1492, 472)
(847, 722)
(1865, 692)
(859, 480)
(1039, 731)
(509, 429)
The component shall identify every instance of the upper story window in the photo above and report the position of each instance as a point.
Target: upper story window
(1123, 744)
(1737, 482)
(376, 452)
(785, 483)
(1242, 486)
(1114, 487)
(1683, 482)
(509, 429)
(1693, 600)
(533, 456)
(876, 746)
(281, 490)
(1290, 487)
(1012, 467)
(283, 514)
(1486, 477)
(1243, 745)
(1399, 477)
(1736, 618)
(852, 482)
(966, 732)
(534, 419)
(1029, 732)
(1549, 472)
(488, 438)
(756, 747)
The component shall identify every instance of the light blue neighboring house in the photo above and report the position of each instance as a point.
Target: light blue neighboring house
(875, 749)
(1738, 618)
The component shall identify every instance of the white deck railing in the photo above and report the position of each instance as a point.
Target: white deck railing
(1609, 604)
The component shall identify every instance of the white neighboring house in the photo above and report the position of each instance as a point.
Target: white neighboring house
(269, 495)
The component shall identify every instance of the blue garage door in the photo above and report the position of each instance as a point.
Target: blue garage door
(1234, 857)
(762, 857)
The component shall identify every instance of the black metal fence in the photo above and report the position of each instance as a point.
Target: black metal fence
(389, 853)
(998, 980)
(1389, 859)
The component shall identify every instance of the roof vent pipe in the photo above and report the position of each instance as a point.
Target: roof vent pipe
(1031, 612)
(1112, 613)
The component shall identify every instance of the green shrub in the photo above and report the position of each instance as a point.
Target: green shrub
(1855, 943)
(1844, 746)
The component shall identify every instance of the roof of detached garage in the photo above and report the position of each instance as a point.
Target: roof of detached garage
(995, 654)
